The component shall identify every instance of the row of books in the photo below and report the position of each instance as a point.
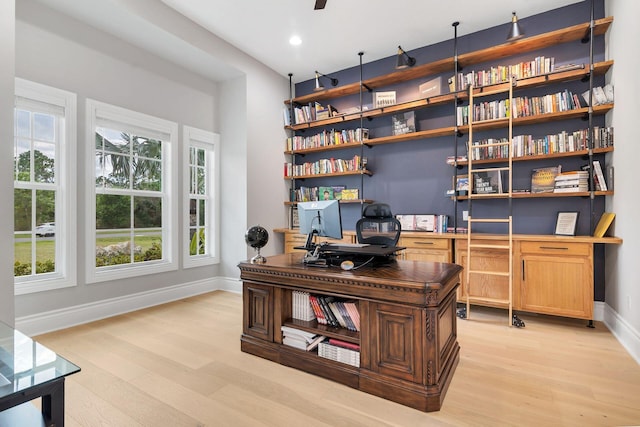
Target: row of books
(527, 145)
(327, 138)
(336, 312)
(311, 194)
(552, 180)
(322, 166)
(519, 107)
(301, 306)
(430, 222)
(308, 113)
(340, 351)
(502, 73)
(600, 95)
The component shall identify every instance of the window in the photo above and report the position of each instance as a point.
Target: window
(131, 206)
(44, 187)
(201, 172)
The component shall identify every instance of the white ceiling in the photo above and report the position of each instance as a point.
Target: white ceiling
(331, 38)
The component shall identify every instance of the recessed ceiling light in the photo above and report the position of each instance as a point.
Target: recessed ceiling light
(295, 40)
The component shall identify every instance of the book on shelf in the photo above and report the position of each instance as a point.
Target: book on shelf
(344, 344)
(571, 181)
(600, 95)
(543, 179)
(384, 99)
(301, 306)
(339, 354)
(603, 224)
(488, 182)
(350, 194)
(337, 191)
(407, 222)
(325, 193)
(598, 176)
(403, 123)
(299, 339)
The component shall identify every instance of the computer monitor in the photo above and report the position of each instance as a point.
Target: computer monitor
(321, 218)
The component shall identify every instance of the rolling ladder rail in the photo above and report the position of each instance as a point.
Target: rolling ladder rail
(507, 220)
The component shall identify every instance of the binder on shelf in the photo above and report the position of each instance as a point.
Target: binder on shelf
(603, 224)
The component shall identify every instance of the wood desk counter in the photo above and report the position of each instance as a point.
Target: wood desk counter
(408, 337)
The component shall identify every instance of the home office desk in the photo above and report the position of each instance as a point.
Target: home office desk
(407, 309)
(29, 370)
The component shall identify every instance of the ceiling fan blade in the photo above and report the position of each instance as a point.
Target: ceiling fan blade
(320, 4)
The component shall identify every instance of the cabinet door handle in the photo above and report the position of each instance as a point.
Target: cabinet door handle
(555, 247)
(423, 243)
(523, 270)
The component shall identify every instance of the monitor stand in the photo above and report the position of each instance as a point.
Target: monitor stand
(313, 255)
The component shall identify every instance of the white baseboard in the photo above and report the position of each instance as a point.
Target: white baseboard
(71, 316)
(623, 331)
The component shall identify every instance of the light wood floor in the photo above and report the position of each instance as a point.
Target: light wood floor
(180, 365)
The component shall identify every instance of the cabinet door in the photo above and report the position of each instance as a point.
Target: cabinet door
(258, 311)
(395, 340)
(558, 284)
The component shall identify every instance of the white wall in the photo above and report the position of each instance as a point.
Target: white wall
(622, 279)
(7, 53)
(55, 49)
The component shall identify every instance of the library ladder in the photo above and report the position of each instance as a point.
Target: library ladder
(475, 243)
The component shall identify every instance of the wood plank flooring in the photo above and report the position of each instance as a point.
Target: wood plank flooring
(180, 364)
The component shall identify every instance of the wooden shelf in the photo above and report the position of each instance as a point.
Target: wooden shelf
(331, 147)
(354, 201)
(484, 125)
(537, 195)
(324, 175)
(579, 153)
(328, 331)
(528, 44)
(538, 118)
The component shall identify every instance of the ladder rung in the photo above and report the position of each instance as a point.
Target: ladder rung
(502, 168)
(489, 220)
(483, 91)
(487, 299)
(490, 273)
(491, 144)
(488, 195)
(490, 246)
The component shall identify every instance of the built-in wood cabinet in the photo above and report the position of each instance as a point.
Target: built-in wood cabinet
(552, 274)
(555, 278)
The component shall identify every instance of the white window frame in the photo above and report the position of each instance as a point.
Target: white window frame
(102, 114)
(210, 142)
(65, 275)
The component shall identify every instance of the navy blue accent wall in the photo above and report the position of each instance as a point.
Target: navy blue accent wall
(412, 177)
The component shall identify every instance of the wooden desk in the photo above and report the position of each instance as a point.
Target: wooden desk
(408, 337)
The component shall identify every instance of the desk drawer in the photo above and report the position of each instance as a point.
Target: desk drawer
(556, 248)
(424, 243)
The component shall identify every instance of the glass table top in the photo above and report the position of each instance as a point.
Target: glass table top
(24, 363)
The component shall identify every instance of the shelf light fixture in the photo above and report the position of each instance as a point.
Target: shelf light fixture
(404, 60)
(334, 81)
(515, 32)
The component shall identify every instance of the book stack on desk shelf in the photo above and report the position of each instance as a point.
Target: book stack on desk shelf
(334, 312)
(300, 339)
(340, 351)
(572, 181)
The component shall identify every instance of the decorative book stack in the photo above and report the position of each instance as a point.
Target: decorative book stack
(299, 339)
(340, 351)
(572, 181)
